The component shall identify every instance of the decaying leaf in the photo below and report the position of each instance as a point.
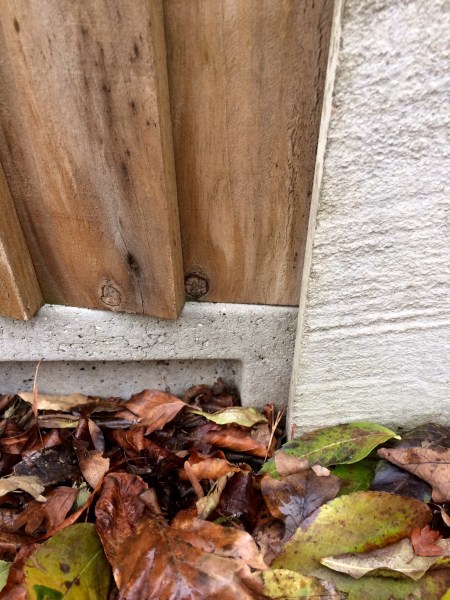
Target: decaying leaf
(119, 510)
(28, 483)
(353, 523)
(432, 464)
(356, 477)
(390, 478)
(296, 496)
(284, 584)
(239, 415)
(71, 565)
(209, 503)
(204, 560)
(335, 445)
(398, 558)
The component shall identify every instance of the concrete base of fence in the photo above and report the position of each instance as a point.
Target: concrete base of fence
(104, 353)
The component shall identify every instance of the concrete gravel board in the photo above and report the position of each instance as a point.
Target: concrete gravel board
(106, 353)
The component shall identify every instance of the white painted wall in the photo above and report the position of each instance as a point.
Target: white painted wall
(374, 323)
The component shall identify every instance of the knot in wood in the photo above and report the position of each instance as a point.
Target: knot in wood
(110, 295)
(196, 285)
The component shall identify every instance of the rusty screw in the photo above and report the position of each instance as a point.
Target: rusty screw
(196, 285)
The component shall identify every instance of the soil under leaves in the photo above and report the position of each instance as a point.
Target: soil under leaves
(197, 498)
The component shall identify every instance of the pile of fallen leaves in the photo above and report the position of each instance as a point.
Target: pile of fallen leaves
(168, 498)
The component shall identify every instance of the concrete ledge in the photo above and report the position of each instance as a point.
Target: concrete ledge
(104, 353)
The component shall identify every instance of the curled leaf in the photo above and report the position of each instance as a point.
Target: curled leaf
(243, 416)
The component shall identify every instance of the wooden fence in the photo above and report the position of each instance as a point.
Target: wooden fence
(153, 149)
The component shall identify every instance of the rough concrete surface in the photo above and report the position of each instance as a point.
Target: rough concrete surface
(374, 338)
(105, 353)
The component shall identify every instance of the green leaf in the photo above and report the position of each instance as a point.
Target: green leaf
(356, 477)
(334, 445)
(4, 570)
(430, 587)
(70, 565)
(354, 523)
(281, 583)
(243, 416)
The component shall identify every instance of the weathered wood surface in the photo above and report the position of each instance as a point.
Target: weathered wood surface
(20, 295)
(87, 151)
(246, 82)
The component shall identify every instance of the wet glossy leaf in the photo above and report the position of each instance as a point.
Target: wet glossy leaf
(296, 496)
(202, 560)
(335, 445)
(431, 464)
(398, 557)
(243, 416)
(284, 584)
(70, 565)
(356, 477)
(119, 510)
(354, 523)
(393, 479)
(49, 465)
(4, 570)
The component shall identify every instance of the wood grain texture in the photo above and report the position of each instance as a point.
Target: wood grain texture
(87, 148)
(246, 81)
(20, 294)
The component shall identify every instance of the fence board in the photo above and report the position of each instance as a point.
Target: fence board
(87, 151)
(20, 294)
(246, 82)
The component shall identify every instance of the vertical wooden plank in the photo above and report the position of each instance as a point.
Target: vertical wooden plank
(20, 295)
(87, 151)
(246, 81)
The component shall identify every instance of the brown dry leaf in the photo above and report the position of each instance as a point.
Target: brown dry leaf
(28, 483)
(210, 468)
(119, 510)
(424, 542)
(209, 503)
(51, 513)
(56, 402)
(239, 498)
(151, 409)
(232, 437)
(296, 496)
(431, 464)
(203, 560)
(92, 463)
(286, 464)
(269, 537)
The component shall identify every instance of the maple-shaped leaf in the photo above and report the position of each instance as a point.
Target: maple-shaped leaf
(424, 542)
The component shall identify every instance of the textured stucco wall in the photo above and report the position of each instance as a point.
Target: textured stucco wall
(374, 337)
